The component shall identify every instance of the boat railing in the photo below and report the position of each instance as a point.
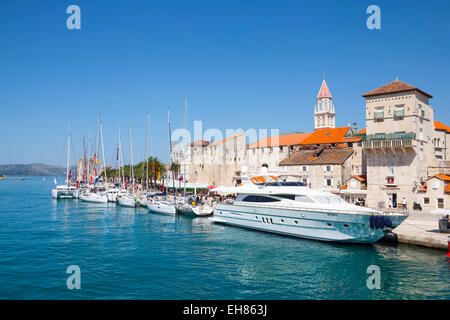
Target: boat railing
(346, 211)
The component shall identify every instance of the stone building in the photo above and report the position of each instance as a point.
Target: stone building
(435, 192)
(399, 143)
(326, 159)
(217, 163)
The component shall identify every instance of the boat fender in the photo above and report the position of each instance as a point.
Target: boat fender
(372, 222)
(388, 222)
(379, 223)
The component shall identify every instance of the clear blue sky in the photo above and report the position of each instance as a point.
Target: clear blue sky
(242, 64)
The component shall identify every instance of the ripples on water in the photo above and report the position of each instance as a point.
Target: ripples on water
(128, 253)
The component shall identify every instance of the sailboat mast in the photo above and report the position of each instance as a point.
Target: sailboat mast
(84, 160)
(131, 158)
(145, 157)
(118, 156)
(97, 148)
(89, 157)
(103, 154)
(170, 155)
(184, 149)
(68, 153)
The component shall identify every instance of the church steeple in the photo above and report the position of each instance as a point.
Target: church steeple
(324, 110)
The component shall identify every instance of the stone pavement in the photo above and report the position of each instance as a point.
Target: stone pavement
(422, 229)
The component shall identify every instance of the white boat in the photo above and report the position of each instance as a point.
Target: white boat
(292, 209)
(190, 207)
(64, 192)
(93, 197)
(128, 200)
(114, 194)
(203, 210)
(162, 206)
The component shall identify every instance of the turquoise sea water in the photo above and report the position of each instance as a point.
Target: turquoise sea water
(128, 253)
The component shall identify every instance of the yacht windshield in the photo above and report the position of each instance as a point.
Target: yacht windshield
(328, 199)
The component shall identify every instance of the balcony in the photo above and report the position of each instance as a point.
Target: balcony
(389, 140)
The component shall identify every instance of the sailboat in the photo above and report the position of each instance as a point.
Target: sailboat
(65, 191)
(114, 193)
(129, 199)
(164, 205)
(94, 195)
(191, 206)
(143, 198)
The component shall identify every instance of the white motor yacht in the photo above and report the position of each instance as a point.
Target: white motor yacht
(291, 208)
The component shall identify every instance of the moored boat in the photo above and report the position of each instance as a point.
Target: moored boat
(162, 206)
(291, 208)
(93, 197)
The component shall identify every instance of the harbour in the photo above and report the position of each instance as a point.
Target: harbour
(128, 253)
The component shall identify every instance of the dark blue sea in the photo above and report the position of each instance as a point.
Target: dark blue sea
(127, 253)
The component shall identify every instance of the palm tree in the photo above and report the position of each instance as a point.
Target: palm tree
(156, 170)
(175, 168)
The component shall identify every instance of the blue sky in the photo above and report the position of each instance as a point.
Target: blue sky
(242, 64)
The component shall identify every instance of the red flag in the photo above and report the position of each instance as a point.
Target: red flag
(70, 173)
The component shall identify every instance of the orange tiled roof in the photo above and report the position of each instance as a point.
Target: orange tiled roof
(362, 131)
(447, 188)
(395, 86)
(283, 140)
(344, 187)
(360, 178)
(318, 157)
(330, 135)
(443, 177)
(200, 142)
(440, 126)
(226, 139)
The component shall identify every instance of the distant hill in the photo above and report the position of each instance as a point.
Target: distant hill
(34, 169)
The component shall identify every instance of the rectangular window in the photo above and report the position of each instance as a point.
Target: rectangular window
(379, 115)
(399, 113)
(440, 203)
(329, 182)
(304, 168)
(426, 201)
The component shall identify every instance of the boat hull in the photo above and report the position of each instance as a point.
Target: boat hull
(63, 194)
(162, 208)
(93, 198)
(309, 224)
(127, 202)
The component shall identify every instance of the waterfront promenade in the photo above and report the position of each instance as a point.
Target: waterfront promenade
(422, 229)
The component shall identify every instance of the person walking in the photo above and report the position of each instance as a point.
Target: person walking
(390, 203)
(404, 204)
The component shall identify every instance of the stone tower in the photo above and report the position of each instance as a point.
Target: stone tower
(324, 110)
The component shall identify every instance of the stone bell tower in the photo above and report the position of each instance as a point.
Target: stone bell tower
(324, 110)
